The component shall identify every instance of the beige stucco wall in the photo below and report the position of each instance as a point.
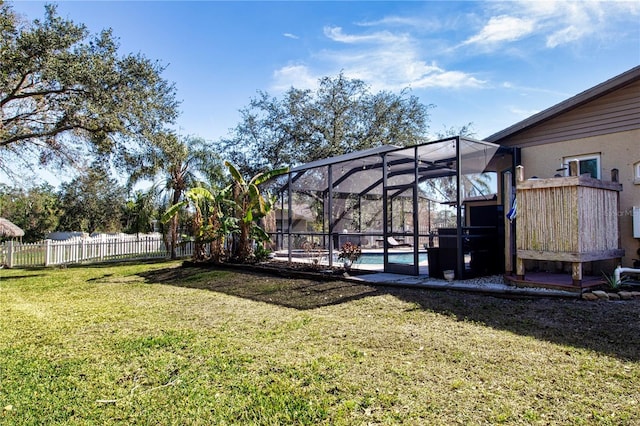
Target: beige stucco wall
(617, 150)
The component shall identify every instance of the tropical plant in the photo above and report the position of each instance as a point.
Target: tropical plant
(140, 211)
(613, 283)
(249, 206)
(180, 163)
(261, 252)
(210, 225)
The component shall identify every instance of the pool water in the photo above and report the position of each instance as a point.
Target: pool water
(378, 258)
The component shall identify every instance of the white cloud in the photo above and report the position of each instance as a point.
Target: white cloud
(502, 28)
(449, 79)
(564, 22)
(402, 21)
(523, 113)
(336, 34)
(566, 35)
(289, 35)
(385, 60)
(526, 90)
(572, 22)
(389, 61)
(415, 75)
(388, 56)
(298, 76)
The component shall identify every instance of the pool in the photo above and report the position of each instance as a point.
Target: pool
(378, 258)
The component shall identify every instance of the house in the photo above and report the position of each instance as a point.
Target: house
(64, 235)
(392, 193)
(600, 128)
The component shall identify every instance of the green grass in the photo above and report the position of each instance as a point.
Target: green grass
(159, 344)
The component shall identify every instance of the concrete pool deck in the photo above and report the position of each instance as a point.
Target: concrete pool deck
(494, 285)
(488, 285)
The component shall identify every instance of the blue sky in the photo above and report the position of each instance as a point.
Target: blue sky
(489, 63)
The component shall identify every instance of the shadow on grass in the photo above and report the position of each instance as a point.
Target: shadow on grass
(17, 277)
(99, 279)
(297, 293)
(611, 328)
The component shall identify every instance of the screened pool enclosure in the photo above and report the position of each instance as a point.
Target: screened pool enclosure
(419, 210)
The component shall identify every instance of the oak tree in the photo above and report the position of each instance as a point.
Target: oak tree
(92, 202)
(342, 115)
(35, 209)
(66, 95)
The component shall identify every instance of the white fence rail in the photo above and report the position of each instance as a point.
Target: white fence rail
(102, 248)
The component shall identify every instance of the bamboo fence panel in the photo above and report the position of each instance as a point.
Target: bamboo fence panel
(572, 215)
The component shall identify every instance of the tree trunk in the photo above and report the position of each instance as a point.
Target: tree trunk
(177, 194)
(244, 245)
(216, 246)
(174, 236)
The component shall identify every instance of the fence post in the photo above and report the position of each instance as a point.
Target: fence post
(10, 254)
(574, 167)
(47, 252)
(519, 261)
(507, 195)
(519, 173)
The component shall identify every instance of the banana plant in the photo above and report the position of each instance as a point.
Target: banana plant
(250, 205)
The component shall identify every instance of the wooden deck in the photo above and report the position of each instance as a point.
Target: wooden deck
(555, 281)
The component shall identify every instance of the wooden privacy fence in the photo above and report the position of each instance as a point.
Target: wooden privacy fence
(88, 250)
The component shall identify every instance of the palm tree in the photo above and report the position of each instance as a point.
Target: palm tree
(140, 211)
(210, 224)
(179, 163)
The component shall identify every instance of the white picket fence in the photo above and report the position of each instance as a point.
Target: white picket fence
(102, 248)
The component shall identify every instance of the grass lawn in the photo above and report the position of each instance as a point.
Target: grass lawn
(159, 344)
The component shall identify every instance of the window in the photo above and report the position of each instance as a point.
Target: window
(586, 164)
(636, 174)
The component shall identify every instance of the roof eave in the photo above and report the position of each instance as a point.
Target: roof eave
(569, 104)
